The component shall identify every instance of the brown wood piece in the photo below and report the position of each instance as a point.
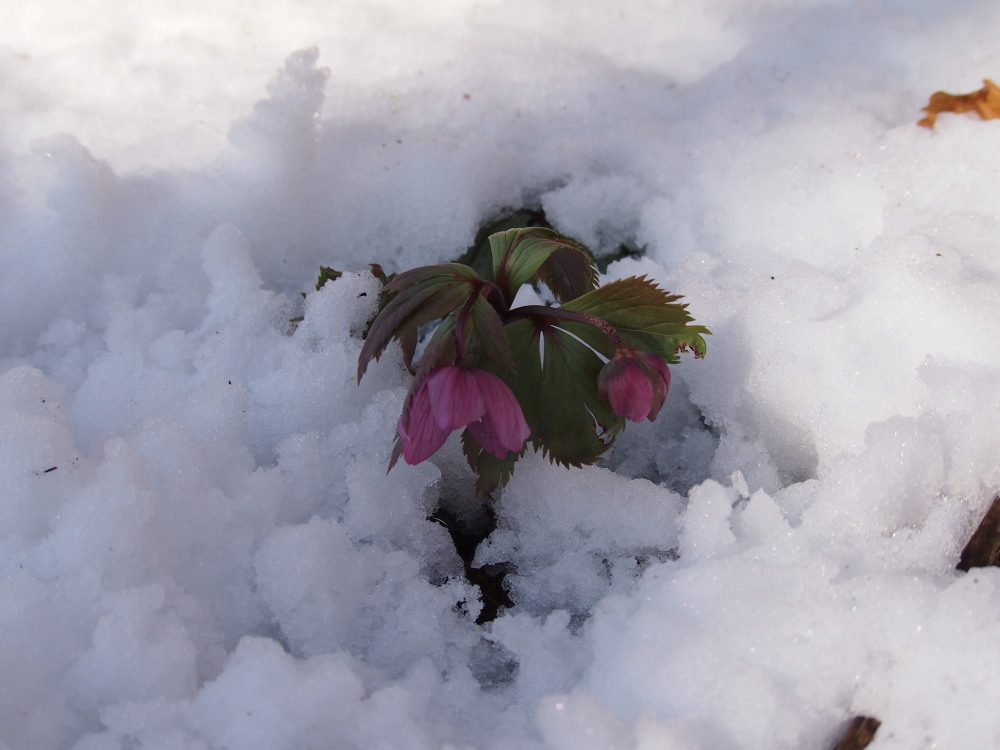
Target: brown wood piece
(983, 548)
(859, 734)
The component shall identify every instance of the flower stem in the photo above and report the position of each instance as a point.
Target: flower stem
(530, 311)
(461, 324)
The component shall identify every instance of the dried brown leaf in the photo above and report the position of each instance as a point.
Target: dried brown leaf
(986, 102)
(983, 548)
(859, 734)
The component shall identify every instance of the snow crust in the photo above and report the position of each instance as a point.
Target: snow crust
(199, 544)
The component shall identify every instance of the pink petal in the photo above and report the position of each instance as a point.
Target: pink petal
(423, 437)
(485, 434)
(454, 396)
(630, 391)
(661, 366)
(502, 428)
(659, 374)
(493, 440)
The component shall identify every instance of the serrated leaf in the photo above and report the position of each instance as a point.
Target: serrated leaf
(440, 350)
(578, 424)
(569, 272)
(556, 385)
(383, 299)
(397, 452)
(327, 274)
(406, 279)
(520, 254)
(421, 296)
(492, 473)
(408, 345)
(478, 254)
(647, 317)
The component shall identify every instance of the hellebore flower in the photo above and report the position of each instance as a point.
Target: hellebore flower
(453, 397)
(635, 384)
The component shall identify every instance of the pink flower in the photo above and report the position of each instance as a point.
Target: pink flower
(635, 384)
(453, 397)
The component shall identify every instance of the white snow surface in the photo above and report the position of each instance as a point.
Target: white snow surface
(200, 547)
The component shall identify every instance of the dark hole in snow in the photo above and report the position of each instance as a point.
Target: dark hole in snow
(489, 578)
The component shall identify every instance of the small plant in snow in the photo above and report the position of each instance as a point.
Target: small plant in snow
(563, 378)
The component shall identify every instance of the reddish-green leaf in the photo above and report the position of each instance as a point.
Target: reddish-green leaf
(520, 254)
(568, 272)
(408, 344)
(401, 281)
(491, 472)
(327, 274)
(490, 334)
(647, 317)
(421, 296)
(440, 350)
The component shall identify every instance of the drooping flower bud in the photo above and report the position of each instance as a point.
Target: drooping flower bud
(453, 397)
(635, 384)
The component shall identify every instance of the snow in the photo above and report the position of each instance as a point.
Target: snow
(200, 546)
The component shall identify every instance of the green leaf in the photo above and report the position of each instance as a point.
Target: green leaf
(408, 345)
(569, 272)
(383, 299)
(522, 254)
(576, 425)
(421, 296)
(647, 317)
(327, 274)
(556, 385)
(492, 473)
(440, 350)
(401, 281)
(490, 334)
(478, 254)
(479, 257)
